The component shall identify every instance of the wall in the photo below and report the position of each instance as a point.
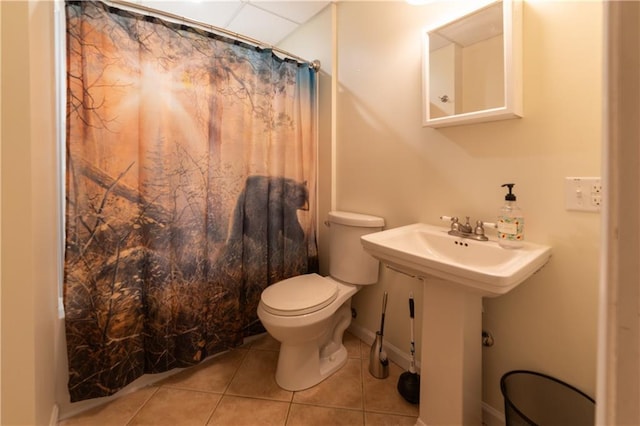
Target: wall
(29, 214)
(388, 165)
(0, 225)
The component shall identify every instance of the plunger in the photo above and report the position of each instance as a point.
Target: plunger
(409, 381)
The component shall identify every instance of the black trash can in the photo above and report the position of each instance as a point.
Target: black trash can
(532, 398)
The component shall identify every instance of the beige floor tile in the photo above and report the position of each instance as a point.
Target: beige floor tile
(309, 415)
(213, 375)
(342, 389)
(177, 407)
(364, 350)
(246, 377)
(256, 377)
(352, 344)
(381, 395)
(377, 419)
(265, 343)
(239, 411)
(115, 413)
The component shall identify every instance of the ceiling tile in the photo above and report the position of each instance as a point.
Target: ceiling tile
(261, 25)
(297, 11)
(218, 13)
(264, 20)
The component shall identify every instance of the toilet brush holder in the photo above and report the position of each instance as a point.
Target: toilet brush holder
(378, 362)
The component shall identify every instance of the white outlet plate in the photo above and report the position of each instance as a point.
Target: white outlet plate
(583, 194)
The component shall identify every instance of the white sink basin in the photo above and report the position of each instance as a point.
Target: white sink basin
(483, 266)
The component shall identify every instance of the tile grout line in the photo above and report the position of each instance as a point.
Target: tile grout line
(214, 410)
(133, 416)
(233, 376)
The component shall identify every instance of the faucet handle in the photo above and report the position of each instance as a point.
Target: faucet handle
(478, 231)
(482, 224)
(455, 224)
(449, 218)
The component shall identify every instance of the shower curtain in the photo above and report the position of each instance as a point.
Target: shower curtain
(190, 187)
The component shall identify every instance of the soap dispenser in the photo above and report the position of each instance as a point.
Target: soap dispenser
(510, 221)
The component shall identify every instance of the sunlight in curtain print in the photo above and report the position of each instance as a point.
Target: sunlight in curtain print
(159, 97)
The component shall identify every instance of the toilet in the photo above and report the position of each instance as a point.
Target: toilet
(308, 314)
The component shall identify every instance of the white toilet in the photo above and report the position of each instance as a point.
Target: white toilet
(308, 314)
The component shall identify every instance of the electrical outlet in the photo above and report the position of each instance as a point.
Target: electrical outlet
(583, 194)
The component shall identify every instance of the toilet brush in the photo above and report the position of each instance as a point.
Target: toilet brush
(409, 381)
(378, 362)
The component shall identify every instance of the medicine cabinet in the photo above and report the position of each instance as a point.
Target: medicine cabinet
(472, 67)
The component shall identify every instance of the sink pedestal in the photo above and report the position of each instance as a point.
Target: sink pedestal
(451, 373)
(457, 274)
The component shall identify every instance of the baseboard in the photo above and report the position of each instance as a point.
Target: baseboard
(53, 420)
(492, 416)
(394, 353)
(420, 422)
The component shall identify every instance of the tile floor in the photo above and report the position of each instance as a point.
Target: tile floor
(238, 388)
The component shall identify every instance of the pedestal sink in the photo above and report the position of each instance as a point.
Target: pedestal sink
(457, 273)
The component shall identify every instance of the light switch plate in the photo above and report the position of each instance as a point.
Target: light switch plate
(583, 194)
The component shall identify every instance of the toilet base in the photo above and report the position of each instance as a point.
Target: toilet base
(294, 361)
(302, 365)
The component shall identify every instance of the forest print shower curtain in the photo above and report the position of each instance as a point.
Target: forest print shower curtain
(190, 187)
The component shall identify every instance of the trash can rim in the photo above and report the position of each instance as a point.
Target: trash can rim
(534, 373)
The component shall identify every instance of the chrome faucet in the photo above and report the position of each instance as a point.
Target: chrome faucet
(465, 230)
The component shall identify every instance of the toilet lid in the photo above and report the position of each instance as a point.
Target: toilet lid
(299, 295)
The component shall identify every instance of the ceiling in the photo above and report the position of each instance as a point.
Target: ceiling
(266, 21)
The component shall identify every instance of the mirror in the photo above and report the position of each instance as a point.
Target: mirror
(472, 67)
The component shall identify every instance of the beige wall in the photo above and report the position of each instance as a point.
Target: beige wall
(0, 225)
(388, 165)
(29, 214)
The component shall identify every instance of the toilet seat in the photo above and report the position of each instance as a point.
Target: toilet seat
(299, 295)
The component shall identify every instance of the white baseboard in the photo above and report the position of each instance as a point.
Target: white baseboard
(53, 420)
(394, 353)
(492, 416)
(420, 422)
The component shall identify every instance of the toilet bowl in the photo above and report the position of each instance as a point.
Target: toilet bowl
(308, 314)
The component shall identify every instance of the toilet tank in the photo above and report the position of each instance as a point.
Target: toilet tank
(348, 262)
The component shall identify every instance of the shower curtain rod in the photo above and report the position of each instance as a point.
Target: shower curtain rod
(134, 7)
